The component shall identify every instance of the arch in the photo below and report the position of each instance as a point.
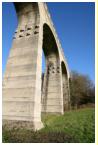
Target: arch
(65, 85)
(52, 72)
(49, 42)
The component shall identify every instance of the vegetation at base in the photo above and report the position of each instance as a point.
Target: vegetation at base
(75, 126)
(82, 90)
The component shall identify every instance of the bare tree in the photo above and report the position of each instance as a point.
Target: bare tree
(82, 89)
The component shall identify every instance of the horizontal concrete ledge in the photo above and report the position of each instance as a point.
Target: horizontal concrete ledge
(26, 66)
(54, 86)
(19, 62)
(20, 118)
(20, 84)
(54, 81)
(31, 125)
(19, 73)
(20, 77)
(29, 54)
(30, 100)
(20, 70)
(23, 51)
(53, 89)
(28, 104)
(20, 81)
(57, 92)
(22, 87)
(18, 88)
(52, 98)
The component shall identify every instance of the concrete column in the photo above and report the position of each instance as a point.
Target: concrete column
(22, 79)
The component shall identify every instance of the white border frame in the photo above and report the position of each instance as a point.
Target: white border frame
(96, 72)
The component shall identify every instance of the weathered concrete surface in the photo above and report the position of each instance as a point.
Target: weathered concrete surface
(23, 97)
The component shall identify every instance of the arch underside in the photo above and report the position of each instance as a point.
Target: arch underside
(55, 92)
(51, 92)
(65, 85)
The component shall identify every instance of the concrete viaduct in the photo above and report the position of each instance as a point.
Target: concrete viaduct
(25, 95)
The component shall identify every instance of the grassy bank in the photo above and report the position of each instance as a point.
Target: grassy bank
(73, 126)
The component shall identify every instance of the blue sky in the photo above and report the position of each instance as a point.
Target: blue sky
(75, 26)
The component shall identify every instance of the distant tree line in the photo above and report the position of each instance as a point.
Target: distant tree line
(82, 90)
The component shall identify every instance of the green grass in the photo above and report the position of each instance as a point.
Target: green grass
(73, 126)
